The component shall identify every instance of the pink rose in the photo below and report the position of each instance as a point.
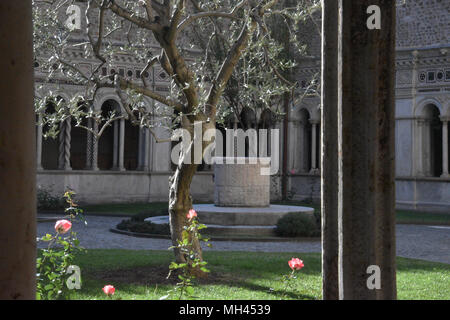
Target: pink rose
(109, 290)
(62, 226)
(192, 213)
(293, 171)
(296, 264)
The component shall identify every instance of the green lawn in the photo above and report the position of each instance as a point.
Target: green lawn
(238, 275)
(157, 208)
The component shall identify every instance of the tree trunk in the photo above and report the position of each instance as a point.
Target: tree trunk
(180, 200)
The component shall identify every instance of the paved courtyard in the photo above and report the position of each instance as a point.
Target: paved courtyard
(413, 241)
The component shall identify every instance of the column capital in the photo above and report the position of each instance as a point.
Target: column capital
(314, 121)
(445, 118)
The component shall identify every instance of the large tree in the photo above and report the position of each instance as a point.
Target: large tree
(200, 70)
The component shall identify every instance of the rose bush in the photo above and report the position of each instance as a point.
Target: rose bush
(52, 263)
(109, 290)
(295, 264)
(63, 226)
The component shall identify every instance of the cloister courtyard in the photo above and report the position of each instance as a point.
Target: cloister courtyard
(224, 150)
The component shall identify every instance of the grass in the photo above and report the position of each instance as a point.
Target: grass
(130, 209)
(422, 217)
(237, 275)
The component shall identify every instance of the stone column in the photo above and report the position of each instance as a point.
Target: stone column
(445, 148)
(64, 145)
(426, 147)
(18, 153)
(116, 143)
(67, 144)
(313, 146)
(94, 147)
(121, 144)
(39, 144)
(329, 151)
(419, 147)
(146, 135)
(366, 150)
(88, 164)
(143, 149)
(293, 148)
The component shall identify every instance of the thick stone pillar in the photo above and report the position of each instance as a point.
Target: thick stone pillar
(329, 151)
(17, 153)
(445, 148)
(366, 142)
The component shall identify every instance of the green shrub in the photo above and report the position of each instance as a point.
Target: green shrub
(141, 216)
(296, 224)
(47, 201)
(141, 226)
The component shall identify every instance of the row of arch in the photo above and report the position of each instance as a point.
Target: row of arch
(432, 140)
(120, 146)
(123, 146)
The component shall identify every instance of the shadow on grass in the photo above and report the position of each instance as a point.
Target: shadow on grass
(411, 265)
(137, 278)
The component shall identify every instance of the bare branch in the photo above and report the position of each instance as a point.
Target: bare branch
(132, 17)
(149, 64)
(196, 16)
(126, 84)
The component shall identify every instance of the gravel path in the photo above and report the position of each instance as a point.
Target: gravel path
(413, 241)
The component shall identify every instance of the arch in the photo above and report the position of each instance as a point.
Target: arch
(109, 140)
(421, 106)
(431, 139)
(304, 135)
(446, 110)
(79, 142)
(131, 148)
(50, 145)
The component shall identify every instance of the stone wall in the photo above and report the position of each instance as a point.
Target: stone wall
(422, 23)
(94, 187)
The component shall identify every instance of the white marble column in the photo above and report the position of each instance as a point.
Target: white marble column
(64, 145)
(419, 144)
(39, 144)
(143, 149)
(116, 145)
(88, 164)
(426, 148)
(94, 147)
(445, 148)
(121, 144)
(313, 146)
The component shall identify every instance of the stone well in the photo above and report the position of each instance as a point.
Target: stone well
(242, 201)
(239, 182)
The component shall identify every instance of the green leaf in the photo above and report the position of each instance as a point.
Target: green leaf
(189, 290)
(49, 286)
